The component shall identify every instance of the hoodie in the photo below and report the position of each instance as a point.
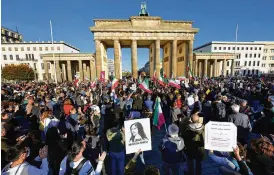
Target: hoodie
(194, 141)
(172, 149)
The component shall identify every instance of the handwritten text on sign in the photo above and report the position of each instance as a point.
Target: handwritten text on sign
(220, 136)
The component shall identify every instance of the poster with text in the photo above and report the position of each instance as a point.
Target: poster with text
(137, 135)
(220, 136)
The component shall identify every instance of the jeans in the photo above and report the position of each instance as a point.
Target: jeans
(117, 163)
(175, 168)
(198, 167)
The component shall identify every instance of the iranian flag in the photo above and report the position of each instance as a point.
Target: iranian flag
(173, 83)
(114, 83)
(93, 83)
(181, 78)
(158, 116)
(145, 86)
(190, 73)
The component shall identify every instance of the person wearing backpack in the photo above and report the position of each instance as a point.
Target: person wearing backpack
(75, 163)
(194, 145)
(172, 150)
(218, 110)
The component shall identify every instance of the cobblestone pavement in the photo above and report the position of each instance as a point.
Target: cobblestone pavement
(153, 157)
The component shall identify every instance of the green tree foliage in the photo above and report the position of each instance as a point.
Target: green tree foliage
(19, 72)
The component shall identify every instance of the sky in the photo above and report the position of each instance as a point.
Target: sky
(71, 19)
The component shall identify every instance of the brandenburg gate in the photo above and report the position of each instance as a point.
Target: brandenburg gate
(174, 37)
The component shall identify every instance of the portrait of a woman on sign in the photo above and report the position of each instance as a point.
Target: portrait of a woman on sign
(137, 133)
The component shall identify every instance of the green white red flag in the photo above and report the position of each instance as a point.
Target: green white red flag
(145, 86)
(158, 117)
(114, 83)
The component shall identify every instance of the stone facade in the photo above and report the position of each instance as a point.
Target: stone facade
(147, 32)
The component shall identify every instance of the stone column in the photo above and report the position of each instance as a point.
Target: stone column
(233, 66)
(205, 68)
(210, 70)
(215, 67)
(69, 70)
(58, 71)
(64, 72)
(196, 68)
(99, 60)
(174, 58)
(224, 67)
(200, 68)
(80, 69)
(157, 59)
(92, 70)
(151, 58)
(117, 61)
(88, 73)
(134, 64)
(190, 56)
(46, 70)
(84, 71)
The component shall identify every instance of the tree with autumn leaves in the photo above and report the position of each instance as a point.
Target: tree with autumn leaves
(19, 72)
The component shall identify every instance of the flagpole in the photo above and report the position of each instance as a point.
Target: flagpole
(51, 33)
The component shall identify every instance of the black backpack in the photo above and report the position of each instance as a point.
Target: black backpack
(220, 111)
(75, 171)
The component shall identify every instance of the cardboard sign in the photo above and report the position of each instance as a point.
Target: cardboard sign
(220, 136)
(137, 135)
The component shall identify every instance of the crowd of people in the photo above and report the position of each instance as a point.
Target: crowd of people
(67, 128)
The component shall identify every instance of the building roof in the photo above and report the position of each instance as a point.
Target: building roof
(41, 42)
(229, 42)
(10, 30)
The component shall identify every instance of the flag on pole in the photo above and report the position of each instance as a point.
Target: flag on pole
(145, 86)
(158, 116)
(173, 83)
(190, 73)
(114, 83)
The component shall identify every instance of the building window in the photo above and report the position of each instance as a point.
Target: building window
(3, 49)
(5, 57)
(249, 64)
(272, 50)
(228, 48)
(16, 48)
(259, 55)
(22, 48)
(9, 48)
(233, 48)
(224, 48)
(255, 55)
(58, 48)
(34, 48)
(28, 48)
(32, 57)
(258, 63)
(245, 63)
(244, 72)
(227, 63)
(242, 48)
(220, 48)
(40, 49)
(34, 66)
(48, 65)
(11, 57)
(52, 48)
(42, 66)
(271, 57)
(46, 48)
(251, 48)
(265, 50)
(248, 72)
(246, 55)
(263, 65)
(238, 48)
(264, 57)
(250, 55)
(255, 48)
(17, 57)
(27, 57)
(254, 63)
(260, 48)
(246, 48)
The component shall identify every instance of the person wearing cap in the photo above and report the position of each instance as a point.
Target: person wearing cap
(172, 150)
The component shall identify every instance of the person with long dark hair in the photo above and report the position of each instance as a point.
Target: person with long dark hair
(76, 163)
(137, 133)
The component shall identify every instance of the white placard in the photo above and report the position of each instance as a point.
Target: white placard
(241, 85)
(220, 136)
(133, 87)
(137, 135)
(124, 87)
